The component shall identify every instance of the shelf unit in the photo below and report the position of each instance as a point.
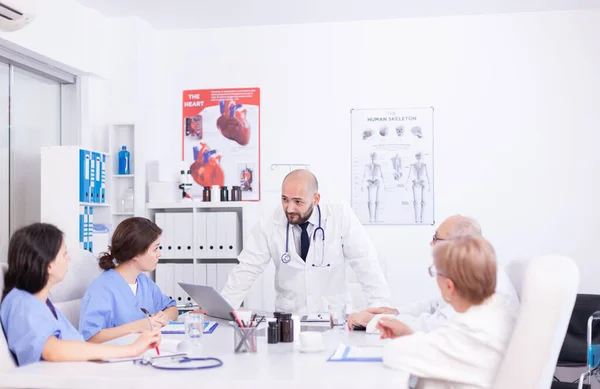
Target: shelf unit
(200, 267)
(66, 173)
(121, 135)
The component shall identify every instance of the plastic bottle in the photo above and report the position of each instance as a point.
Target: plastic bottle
(124, 161)
(224, 194)
(216, 195)
(286, 328)
(273, 332)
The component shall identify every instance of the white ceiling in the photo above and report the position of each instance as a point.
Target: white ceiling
(173, 14)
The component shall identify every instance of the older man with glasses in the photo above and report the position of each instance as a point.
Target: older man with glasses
(430, 314)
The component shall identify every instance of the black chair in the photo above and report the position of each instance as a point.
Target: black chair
(568, 385)
(574, 350)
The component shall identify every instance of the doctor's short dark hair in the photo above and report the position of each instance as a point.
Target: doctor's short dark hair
(131, 238)
(30, 251)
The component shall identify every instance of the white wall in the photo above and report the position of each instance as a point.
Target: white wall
(515, 100)
(111, 57)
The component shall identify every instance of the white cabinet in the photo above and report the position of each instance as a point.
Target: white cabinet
(200, 244)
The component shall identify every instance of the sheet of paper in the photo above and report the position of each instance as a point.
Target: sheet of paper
(167, 347)
(176, 327)
(357, 354)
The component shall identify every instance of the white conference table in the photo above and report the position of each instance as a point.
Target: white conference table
(273, 366)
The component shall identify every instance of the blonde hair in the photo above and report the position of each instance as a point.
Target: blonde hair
(470, 262)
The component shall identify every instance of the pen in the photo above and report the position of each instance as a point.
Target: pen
(150, 323)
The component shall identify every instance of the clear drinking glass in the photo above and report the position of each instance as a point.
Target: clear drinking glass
(337, 315)
(194, 328)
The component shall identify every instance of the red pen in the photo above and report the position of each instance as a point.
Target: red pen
(150, 322)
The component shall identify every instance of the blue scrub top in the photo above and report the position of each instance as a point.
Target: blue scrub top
(109, 302)
(28, 323)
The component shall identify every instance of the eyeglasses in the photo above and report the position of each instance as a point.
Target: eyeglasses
(435, 238)
(434, 272)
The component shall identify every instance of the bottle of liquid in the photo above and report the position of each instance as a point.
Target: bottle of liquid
(236, 193)
(216, 195)
(224, 193)
(124, 161)
(273, 332)
(182, 177)
(286, 328)
(206, 193)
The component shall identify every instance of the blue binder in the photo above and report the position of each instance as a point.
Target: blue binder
(85, 227)
(95, 177)
(103, 179)
(84, 176)
(90, 228)
(81, 226)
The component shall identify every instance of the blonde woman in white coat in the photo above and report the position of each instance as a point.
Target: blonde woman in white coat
(467, 350)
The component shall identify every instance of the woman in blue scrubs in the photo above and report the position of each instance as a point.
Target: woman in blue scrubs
(35, 330)
(113, 304)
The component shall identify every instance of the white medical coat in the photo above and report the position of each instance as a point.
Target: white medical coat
(465, 352)
(428, 315)
(299, 286)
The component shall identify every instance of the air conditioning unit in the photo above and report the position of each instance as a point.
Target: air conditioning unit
(16, 14)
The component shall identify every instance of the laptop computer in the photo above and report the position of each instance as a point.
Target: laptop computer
(209, 300)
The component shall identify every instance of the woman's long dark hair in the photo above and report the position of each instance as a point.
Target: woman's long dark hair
(131, 238)
(30, 251)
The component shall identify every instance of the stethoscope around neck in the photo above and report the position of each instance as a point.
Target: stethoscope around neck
(286, 257)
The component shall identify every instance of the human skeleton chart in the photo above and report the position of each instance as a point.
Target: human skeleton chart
(392, 165)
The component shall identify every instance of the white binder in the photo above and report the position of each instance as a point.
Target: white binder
(229, 228)
(169, 236)
(159, 220)
(164, 278)
(179, 234)
(211, 275)
(200, 275)
(223, 270)
(185, 232)
(201, 242)
(211, 234)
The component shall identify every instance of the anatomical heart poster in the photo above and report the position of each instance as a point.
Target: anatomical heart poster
(392, 165)
(221, 138)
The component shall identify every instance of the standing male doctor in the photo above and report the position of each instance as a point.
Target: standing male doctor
(310, 245)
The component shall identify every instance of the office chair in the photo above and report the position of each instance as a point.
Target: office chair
(574, 351)
(67, 294)
(547, 288)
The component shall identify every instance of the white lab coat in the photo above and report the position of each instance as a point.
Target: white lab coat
(299, 286)
(463, 353)
(428, 315)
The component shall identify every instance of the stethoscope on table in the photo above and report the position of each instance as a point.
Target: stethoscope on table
(286, 257)
(180, 361)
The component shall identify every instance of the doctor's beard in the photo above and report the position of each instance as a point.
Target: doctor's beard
(295, 218)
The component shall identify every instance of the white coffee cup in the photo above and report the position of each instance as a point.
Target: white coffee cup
(311, 340)
(245, 315)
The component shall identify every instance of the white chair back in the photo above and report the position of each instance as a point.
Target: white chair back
(7, 361)
(357, 296)
(547, 287)
(66, 295)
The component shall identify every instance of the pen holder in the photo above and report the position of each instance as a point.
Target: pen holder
(244, 339)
